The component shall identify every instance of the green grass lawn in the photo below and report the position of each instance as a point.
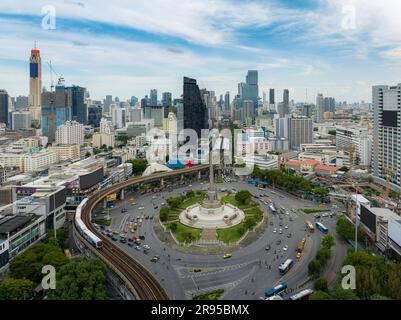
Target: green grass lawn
(191, 201)
(231, 199)
(102, 222)
(232, 234)
(182, 232)
(213, 295)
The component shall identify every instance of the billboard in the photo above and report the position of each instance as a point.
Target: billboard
(368, 218)
(394, 231)
(111, 197)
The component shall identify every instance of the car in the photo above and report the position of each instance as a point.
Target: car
(274, 230)
(278, 242)
(156, 207)
(130, 244)
(190, 185)
(286, 227)
(138, 248)
(316, 215)
(146, 247)
(154, 259)
(151, 218)
(280, 217)
(163, 204)
(142, 237)
(154, 197)
(268, 247)
(324, 215)
(227, 256)
(289, 235)
(285, 248)
(137, 242)
(290, 218)
(298, 256)
(280, 224)
(123, 240)
(130, 239)
(271, 223)
(147, 218)
(114, 238)
(280, 231)
(141, 208)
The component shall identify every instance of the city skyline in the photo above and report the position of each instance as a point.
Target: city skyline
(292, 45)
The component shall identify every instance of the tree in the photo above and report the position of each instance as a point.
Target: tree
(321, 284)
(80, 279)
(344, 169)
(320, 295)
(29, 264)
(173, 226)
(379, 297)
(164, 214)
(88, 154)
(16, 289)
(243, 196)
(249, 222)
(139, 166)
(321, 192)
(346, 230)
(338, 293)
(190, 194)
(62, 236)
(328, 241)
(314, 267)
(174, 202)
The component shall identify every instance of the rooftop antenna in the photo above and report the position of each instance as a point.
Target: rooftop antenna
(306, 96)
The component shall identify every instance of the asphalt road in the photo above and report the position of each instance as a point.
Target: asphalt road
(244, 276)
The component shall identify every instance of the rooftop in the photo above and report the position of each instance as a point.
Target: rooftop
(10, 225)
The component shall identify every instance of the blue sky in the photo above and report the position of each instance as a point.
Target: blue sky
(337, 47)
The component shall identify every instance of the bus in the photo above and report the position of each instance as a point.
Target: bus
(276, 290)
(309, 225)
(302, 295)
(321, 227)
(301, 245)
(272, 209)
(285, 266)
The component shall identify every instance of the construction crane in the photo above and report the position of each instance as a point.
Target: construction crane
(52, 71)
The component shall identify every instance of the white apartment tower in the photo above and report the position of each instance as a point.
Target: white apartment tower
(70, 133)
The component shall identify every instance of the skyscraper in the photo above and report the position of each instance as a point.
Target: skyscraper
(56, 110)
(250, 89)
(227, 104)
(386, 154)
(107, 102)
(35, 84)
(286, 101)
(94, 115)
(301, 131)
(271, 96)
(319, 108)
(79, 107)
(4, 106)
(153, 97)
(167, 100)
(195, 111)
(329, 104)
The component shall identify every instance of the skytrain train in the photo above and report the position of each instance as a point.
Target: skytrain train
(83, 230)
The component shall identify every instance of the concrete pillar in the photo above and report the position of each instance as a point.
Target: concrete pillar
(162, 182)
(182, 178)
(199, 175)
(122, 194)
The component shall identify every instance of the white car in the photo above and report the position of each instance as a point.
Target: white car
(285, 248)
(280, 231)
(141, 208)
(274, 230)
(286, 227)
(146, 247)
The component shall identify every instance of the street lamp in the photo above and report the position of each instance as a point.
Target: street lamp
(356, 219)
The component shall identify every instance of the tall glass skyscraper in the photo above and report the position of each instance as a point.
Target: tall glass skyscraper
(195, 111)
(4, 107)
(79, 107)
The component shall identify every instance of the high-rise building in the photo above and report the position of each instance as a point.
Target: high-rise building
(94, 115)
(156, 113)
(70, 133)
(250, 89)
(386, 152)
(249, 111)
(329, 104)
(280, 141)
(167, 100)
(301, 132)
(35, 85)
(195, 111)
(357, 137)
(107, 102)
(286, 101)
(319, 108)
(78, 105)
(21, 102)
(118, 116)
(133, 101)
(4, 107)
(56, 110)
(271, 97)
(20, 120)
(227, 104)
(306, 110)
(153, 97)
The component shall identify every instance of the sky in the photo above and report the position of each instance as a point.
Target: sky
(126, 47)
